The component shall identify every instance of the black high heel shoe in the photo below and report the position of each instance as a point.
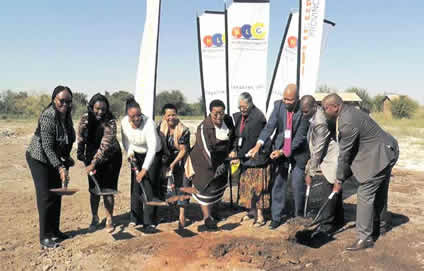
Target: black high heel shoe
(48, 243)
(60, 236)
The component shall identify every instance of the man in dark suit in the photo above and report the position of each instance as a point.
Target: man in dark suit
(290, 148)
(369, 153)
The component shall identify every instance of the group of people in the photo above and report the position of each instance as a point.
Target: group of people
(154, 153)
(302, 138)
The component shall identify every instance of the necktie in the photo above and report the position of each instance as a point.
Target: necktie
(243, 123)
(288, 135)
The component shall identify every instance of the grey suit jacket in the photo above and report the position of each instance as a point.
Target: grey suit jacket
(323, 147)
(365, 149)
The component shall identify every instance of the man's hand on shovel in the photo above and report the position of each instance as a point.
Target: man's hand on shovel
(337, 187)
(308, 180)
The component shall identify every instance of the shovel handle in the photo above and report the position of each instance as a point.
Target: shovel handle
(91, 174)
(308, 191)
(316, 219)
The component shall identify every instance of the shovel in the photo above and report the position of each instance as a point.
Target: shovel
(308, 191)
(316, 220)
(143, 191)
(97, 190)
(64, 191)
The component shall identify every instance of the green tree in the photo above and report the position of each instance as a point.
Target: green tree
(367, 102)
(174, 97)
(326, 89)
(197, 109)
(117, 102)
(378, 103)
(79, 104)
(404, 107)
(8, 100)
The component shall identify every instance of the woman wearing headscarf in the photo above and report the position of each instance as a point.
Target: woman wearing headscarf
(100, 152)
(214, 141)
(48, 157)
(141, 143)
(175, 147)
(255, 173)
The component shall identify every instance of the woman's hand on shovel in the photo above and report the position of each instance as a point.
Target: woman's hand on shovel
(140, 176)
(64, 176)
(90, 169)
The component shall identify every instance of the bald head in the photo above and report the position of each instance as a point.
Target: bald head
(291, 90)
(290, 97)
(307, 101)
(332, 105)
(332, 98)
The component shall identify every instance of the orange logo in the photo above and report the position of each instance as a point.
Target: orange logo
(292, 42)
(207, 40)
(236, 32)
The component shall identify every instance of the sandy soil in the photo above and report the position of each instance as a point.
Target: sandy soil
(234, 246)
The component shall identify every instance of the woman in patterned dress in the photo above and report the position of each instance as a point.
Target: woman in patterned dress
(255, 174)
(99, 150)
(175, 146)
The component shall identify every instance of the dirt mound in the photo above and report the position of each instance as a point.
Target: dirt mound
(266, 253)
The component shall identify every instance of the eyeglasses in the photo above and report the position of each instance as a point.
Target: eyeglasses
(243, 108)
(216, 114)
(65, 101)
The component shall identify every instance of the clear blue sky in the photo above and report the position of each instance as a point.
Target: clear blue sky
(93, 45)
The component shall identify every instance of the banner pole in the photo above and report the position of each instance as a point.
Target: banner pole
(278, 60)
(299, 44)
(202, 84)
(226, 58)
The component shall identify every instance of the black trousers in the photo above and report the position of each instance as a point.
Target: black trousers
(142, 213)
(333, 215)
(46, 177)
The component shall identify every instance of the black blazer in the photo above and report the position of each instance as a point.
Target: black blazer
(255, 122)
(300, 125)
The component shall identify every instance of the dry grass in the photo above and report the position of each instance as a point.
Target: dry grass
(413, 127)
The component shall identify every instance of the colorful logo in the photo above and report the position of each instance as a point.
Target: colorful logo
(247, 31)
(216, 40)
(292, 42)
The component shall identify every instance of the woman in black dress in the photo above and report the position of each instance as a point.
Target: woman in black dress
(99, 149)
(48, 157)
(214, 141)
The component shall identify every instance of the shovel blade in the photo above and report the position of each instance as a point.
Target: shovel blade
(157, 203)
(189, 190)
(64, 191)
(178, 198)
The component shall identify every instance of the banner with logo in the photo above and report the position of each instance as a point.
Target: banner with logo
(211, 44)
(247, 28)
(285, 71)
(145, 90)
(311, 21)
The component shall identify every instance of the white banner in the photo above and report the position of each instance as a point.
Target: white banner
(248, 29)
(211, 35)
(285, 71)
(311, 23)
(145, 89)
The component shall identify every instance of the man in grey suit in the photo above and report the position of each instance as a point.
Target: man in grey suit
(324, 151)
(290, 148)
(369, 153)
